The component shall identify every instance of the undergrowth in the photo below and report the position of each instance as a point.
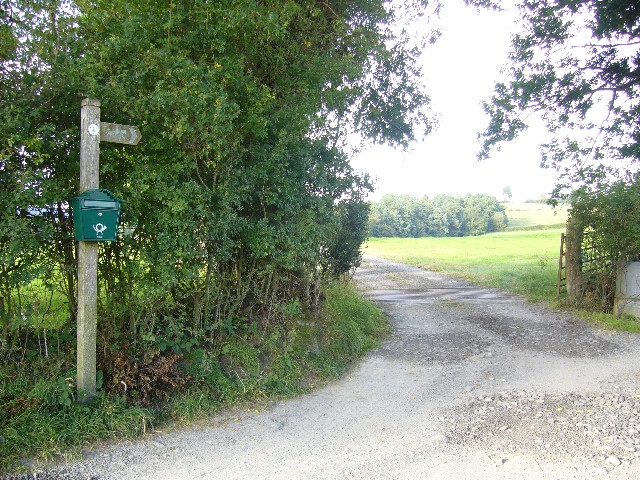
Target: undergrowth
(40, 420)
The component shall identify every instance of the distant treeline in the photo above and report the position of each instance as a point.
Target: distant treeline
(440, 216)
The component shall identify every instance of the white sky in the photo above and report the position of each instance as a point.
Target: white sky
(460, 71)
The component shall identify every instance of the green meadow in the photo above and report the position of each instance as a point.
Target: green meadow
(535, 215)
(523, 262)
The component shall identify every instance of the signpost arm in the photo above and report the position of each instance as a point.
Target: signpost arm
(88, 255)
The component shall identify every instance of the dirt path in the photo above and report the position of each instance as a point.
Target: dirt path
(471, 384)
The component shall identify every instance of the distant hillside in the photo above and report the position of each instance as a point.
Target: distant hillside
(527, 215)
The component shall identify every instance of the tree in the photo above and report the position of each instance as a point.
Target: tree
(393, 216)
(343, 250)
(442, 216)
(482, 214)
(610, 217)
(506, 193)
(446, 220)
(38, 151)
(239, 194)
(576, 66)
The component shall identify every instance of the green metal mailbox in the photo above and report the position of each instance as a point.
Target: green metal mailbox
(96, 215)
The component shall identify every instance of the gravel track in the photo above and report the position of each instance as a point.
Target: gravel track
(472, 383)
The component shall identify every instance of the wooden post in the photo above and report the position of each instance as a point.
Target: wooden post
(573, 260)
(88, 256)
(560, 265)
(92, 132)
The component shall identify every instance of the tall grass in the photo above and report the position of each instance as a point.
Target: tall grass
(352, 325)
(38, 416)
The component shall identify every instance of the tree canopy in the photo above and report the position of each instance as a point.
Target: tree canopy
(575, 65)
(239, 195)
(440, 216)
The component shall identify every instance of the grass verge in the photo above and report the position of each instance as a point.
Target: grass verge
(624, 323)
(39, 420)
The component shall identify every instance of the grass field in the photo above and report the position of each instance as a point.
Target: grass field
(523, 259)
(523, 262)
(528, 215)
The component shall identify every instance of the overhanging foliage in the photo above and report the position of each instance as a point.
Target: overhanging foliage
(240, 195)
(574, 65)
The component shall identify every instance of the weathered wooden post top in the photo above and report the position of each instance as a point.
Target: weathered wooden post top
(96, 215)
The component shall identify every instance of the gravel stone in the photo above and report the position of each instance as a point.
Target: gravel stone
(470, 383)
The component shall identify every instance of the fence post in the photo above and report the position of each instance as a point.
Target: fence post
(573, 259)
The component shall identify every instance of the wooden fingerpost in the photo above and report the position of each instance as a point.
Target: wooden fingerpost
(92, 132)
(88, 256)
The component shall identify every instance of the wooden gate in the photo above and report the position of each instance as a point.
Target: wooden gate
(562, 265)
